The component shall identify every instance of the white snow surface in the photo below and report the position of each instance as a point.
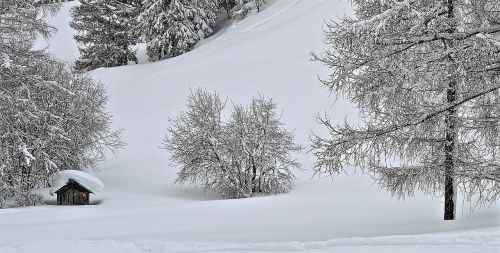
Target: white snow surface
(61, 178)
(142, 210)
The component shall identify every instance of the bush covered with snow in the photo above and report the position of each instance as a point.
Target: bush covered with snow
(250, 153)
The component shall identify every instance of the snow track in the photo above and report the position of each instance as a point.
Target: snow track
(266, 20)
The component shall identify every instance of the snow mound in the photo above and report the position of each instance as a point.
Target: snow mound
(61, 178)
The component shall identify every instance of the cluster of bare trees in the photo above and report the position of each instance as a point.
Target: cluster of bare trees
(50, 118)
(249, 153)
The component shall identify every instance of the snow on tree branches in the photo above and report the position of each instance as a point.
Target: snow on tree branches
(242, 8)
(172, 27)
(106, 32)
(426, 78)
(250, 153)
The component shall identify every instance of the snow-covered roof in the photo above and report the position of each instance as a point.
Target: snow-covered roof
(61, 178)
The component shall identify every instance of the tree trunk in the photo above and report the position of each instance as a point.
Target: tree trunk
(254, 176)
(449, 184)
(228, 9)
(450, 136)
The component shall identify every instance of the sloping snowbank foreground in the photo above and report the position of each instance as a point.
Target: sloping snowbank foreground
(61, 178)
(461, 242)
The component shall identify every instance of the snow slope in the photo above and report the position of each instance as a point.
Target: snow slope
(142, 211)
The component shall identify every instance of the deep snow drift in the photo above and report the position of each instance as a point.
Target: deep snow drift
(268, 53)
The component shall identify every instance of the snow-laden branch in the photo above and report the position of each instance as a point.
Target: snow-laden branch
(383, 131)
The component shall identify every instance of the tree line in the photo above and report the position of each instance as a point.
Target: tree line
(108, 29)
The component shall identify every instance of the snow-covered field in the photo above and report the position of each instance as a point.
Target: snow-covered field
(140, 210)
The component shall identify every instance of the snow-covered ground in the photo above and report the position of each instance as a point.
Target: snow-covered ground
(141, 210)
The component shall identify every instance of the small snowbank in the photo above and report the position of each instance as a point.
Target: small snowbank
(470, 241)
(61, 178)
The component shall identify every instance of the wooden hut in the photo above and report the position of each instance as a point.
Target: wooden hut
(74, 187)
(73, 193)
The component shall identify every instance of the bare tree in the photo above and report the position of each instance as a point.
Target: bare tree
(425, 76)
(260, 147)
(250, 153)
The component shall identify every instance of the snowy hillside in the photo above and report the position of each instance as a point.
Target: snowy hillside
(141, 210)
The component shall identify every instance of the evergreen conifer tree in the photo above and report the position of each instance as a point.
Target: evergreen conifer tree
(173, 27)
(106, 31)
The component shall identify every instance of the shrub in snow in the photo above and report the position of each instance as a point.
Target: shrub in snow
(250, 153)
(6, 193)
(173, 27)
(426, 79)
(28, 199)
(106, 32)
(14, 197)
(50, 118)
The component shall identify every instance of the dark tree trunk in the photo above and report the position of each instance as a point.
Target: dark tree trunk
(449, 184)
(450, 136)
(254, 176)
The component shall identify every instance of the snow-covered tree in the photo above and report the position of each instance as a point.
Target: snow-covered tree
(242, 8)
(250, 153)
(227, 6)
(107, 29)
(38, 2)
(194, 141)
(426, 77)
(50, 118)
(260, 148)
(173, 27)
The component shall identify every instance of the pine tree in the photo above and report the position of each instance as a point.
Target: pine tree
(106, 32)
(173, 27)
(425, 76)
(227, 6)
